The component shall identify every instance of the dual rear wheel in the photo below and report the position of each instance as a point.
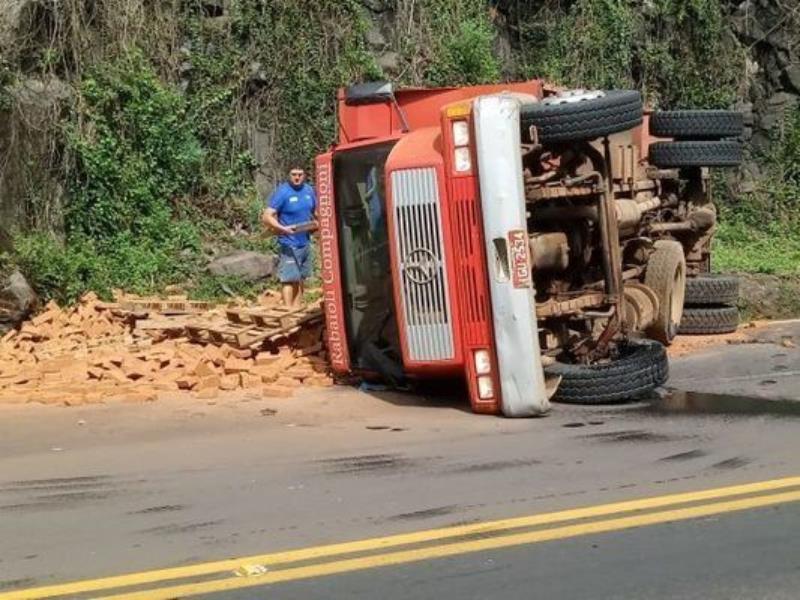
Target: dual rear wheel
(711, 305)
(702, 138)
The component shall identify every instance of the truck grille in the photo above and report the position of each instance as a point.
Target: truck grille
(423, 270)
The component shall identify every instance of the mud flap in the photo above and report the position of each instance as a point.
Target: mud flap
(522, 380)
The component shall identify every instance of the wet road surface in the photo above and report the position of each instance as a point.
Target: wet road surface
(135, 488)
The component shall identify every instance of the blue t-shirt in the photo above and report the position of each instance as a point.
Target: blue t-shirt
(293, 206)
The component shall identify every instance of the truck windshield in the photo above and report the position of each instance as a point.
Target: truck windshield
(364, 250)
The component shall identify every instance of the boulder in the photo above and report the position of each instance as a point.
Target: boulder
(246, 264)
(375, 38)
(17, 301)
(389, 62)
(10, 17)
(33, 93)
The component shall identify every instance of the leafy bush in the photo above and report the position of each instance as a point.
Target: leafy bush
(293, 56)
(680, 53)
(134, 153)
(466, 58)
(760, 231)
(134, 150)
(687, 56)
(591, 45)
(65, 271)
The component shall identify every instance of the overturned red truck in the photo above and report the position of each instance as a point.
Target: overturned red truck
(511, 235)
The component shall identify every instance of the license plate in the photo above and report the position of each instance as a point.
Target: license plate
(520, 262)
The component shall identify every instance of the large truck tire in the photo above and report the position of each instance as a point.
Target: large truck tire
(666, 276)
(707, 289)
(697, 124)
(709, 320)
(581, 116)
(640, 367)
(724, 153)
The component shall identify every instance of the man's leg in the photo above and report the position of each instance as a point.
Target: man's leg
(304, 258)
(287, 293)
(289, 273)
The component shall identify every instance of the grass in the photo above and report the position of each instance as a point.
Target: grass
(742, 247)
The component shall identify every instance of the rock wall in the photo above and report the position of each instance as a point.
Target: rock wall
(769, 31)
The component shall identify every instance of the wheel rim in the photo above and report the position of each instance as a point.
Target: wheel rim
(676, 300)
(573, 96)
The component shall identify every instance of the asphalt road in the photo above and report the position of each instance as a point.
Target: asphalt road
(99, 491)
(750, 555)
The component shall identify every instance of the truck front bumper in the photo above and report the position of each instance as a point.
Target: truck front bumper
(498, 149)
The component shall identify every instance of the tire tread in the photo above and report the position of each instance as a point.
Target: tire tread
(709, 320)
(712, 290)
(724, 153)
(618, 110)
(697, 124)
(642, 367)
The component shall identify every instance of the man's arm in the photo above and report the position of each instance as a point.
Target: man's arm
(314, 215)
(270, 220)
(270, 216)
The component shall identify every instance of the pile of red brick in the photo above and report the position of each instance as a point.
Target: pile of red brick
(92, 353)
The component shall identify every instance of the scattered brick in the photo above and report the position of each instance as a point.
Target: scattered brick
(187, 382)
(237, 365)
(203, 369)
(229, 382)
(97, 351)
(277, 391)
(211, 382)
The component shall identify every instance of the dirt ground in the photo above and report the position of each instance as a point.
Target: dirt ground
(747, 333)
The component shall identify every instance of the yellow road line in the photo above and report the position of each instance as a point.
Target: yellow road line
(381, 543)
(436, 552)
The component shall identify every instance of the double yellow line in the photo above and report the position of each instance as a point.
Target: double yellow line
(280, 567)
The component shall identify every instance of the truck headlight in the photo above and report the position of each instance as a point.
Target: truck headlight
(483, 362)
(462, 160)
(485, 387)
(460, 133)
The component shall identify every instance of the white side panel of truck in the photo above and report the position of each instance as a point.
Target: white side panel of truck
(497, 143)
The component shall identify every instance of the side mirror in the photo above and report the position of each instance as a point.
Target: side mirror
(371, 92)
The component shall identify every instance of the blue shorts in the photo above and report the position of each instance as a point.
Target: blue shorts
(295, 264)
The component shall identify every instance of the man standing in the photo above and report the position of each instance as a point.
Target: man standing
(291, 212)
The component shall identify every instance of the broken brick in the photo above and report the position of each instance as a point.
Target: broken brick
(276, 391)
(203, 369)
(237, 365)
(229, 382)
(207, 393)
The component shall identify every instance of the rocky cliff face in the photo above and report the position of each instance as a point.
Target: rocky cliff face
(31, 99)
(770, 31)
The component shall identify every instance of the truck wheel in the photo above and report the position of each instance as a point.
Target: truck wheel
(707, 290)
(581, 115)
(640, 367)
(666, 276)
(697, 124)
(710, 320)
(725, 153)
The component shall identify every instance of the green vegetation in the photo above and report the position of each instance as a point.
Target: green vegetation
(760, 232)
(293, 57)
(175, 114)
(134, 157)
(158, 174)
(678, 52)
(458, 40)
